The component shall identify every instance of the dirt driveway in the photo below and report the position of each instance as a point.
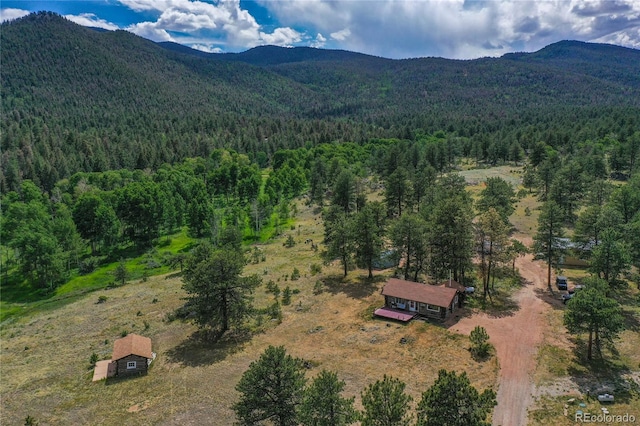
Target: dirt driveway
(516, 339)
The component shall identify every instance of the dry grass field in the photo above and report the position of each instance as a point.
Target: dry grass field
(45, 356)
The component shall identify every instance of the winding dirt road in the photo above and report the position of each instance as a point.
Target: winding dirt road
(516, 339)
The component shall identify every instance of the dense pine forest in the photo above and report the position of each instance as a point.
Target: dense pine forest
(111, 142)
(81, 100)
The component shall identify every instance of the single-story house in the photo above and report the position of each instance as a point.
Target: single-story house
(132, 355)
(405, 300)
(462, 290)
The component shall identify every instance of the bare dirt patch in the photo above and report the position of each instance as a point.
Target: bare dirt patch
(516, 339)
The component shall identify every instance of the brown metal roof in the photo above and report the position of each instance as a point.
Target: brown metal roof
(423, 293)
(132, 344)
(453, 284)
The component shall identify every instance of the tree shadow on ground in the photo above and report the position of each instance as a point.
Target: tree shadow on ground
(631, 320)
(551, 298)
(200, 349)
(605, 373)
(500, 305)
(483, 356)
(357, 289)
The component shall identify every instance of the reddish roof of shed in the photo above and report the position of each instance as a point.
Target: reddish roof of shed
(423, 293)
(132, 344)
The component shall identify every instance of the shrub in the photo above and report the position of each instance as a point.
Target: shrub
(93, 359)
(274, 311)
(30, 421)
(295, 274)
(318, 287)
(316, 269)
(480, 342)
(286, 296)
(102, 298)
(88, 265)
(152, 264)
(124, 333)
(273, 288)
(290, 241)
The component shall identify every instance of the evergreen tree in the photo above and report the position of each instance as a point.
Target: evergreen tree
(339, 237)
(497, 194)
(611, 257)
(397, 191)
(492, 232)
(547, 238)
(217, 294)
(479, 341)
(368, 235)
(386, 404)
(591, 311)
(567, 189)
(452, 401)
(344, 191)
(322, 404)
(121, 273)
(451, 235)
(271, 390)
(409, 237)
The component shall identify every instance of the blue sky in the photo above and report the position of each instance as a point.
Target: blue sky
(460, 29)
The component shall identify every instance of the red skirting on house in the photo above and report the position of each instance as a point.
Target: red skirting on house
(395, 314)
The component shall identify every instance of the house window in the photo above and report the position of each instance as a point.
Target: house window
(131, 364)
(433, 308)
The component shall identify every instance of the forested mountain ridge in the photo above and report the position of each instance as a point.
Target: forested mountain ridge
(75, 99)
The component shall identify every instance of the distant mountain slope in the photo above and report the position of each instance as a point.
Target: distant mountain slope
(78, 99)
(603, 61)
(53, 61)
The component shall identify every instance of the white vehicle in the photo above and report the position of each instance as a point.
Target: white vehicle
(605, 397)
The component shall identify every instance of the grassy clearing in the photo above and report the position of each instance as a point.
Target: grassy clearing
(22, 299)
(557, 411)
(511, 174)
(45, 355)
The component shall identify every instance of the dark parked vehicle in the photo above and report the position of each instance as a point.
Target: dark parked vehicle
(569, 295)
(561, 282)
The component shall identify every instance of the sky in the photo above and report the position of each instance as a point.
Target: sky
(455, 29)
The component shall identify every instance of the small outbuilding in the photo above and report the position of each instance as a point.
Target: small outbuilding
(405, 300)
(132, 355)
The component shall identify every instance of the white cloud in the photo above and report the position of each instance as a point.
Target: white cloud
(319, 41)
(281, 37)
(91, 20)
(341, 35)
(460, 28)
(9, 14)
(225, 22)
(206, 48)
(150, 31)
